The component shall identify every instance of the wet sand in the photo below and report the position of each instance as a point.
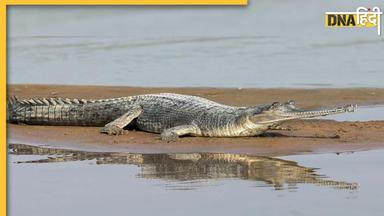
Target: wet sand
(304, 136)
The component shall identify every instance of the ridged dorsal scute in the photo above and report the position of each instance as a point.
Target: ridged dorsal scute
(46, 102)
(83, 101)
(56, 101)
(38, 101)
(59, 101)
(52, 101)
(67, 101)
(32, 102)
(13, 100)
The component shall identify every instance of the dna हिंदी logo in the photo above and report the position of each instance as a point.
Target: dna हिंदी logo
(362, 17)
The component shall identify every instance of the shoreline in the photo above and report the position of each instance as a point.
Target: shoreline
(230, 96)
(305, 136)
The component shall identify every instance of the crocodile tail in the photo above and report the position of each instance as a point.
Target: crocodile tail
(52, 111)
(19, 110)
(12, 103)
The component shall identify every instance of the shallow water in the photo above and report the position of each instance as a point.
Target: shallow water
(43, 181)
(266, 44)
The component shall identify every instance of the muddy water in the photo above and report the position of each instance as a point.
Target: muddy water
(44, 181)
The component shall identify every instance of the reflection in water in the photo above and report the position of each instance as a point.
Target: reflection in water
(182, 167)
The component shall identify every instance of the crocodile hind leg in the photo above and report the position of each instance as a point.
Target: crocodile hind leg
(116, 127)
(172, 134)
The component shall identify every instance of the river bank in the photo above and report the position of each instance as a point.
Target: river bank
(308, 136)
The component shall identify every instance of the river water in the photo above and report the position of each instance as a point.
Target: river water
(266, 44)
(46, 181)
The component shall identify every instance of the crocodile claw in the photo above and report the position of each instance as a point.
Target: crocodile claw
(169, 136)
(113, 130)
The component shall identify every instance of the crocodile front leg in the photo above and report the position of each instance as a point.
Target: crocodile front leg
(116, 127)
(172, 134)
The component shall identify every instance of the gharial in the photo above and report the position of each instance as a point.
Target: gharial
(172, 115)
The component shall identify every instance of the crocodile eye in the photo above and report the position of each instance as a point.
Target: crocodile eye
(276, 104)
(291, 102)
